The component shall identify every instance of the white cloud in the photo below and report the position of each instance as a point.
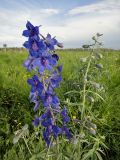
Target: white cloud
(73, 29)
(79, 30)
(12, 23)
(104, 6)
(49, 11)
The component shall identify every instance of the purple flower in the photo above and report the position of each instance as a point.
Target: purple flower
(55, 56)
(28, 63)
(37, 103)
(59, 68)
(33, 96)
(44, 63)
(66, 131)
(50, 99)
(44, 118)
(46, 136)
(51, 42)
(56, 130)
(55, 80)
(31, 31)
(36, 85)
(47, 122)
(36, 121)
(64, 114)
(36, 47)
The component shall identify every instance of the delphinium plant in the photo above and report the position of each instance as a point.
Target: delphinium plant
(86, 136)
(44, 61)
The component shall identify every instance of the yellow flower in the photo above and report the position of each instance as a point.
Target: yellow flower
(46, 76)
(74, 117)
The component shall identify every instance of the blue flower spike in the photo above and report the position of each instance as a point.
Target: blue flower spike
(44, 61)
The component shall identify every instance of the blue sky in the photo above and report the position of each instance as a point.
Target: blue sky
(73, 22)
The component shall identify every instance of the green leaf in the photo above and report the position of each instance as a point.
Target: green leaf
(72, 92)
(97, 95)
(88, 154)
(98, 155)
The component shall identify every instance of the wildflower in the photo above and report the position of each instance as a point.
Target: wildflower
(55, 56)
(33, 96)
(41, 118)
(47, 122)
(28, 63)
(66, 131)
(74, 117)
(59, 68)
(36, 85)
(37, 103)
(56, 130)
(44, 63)
(31, 30)
(36, 121)
(55, 80)
(46, 137)
(36, 47)
(65, 117)
(49, 99)
(42, 58)
(51, 42)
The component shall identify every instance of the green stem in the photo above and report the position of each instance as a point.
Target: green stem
(57, 143)
(46, 155)
(27, 145)
(21, 151)
(85, 84)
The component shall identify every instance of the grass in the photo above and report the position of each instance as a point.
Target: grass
(15, 109)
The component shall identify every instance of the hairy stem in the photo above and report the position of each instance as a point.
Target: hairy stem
(27, 145)
(85, 84)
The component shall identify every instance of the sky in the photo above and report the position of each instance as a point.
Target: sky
(73, 22)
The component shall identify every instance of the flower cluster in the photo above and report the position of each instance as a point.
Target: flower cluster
(43, 59)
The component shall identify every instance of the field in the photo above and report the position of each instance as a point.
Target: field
(16, 110)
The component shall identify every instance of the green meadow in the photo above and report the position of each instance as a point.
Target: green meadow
(16, 110)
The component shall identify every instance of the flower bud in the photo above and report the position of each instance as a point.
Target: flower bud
(83, 59)
(94, 38)
(99, 35)
(60, 45)
(99, 66)
(100, 56)
(91, 99)
(25, 127)
(92, 131)
(93, 126)
(96, 85)
(86, 46)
